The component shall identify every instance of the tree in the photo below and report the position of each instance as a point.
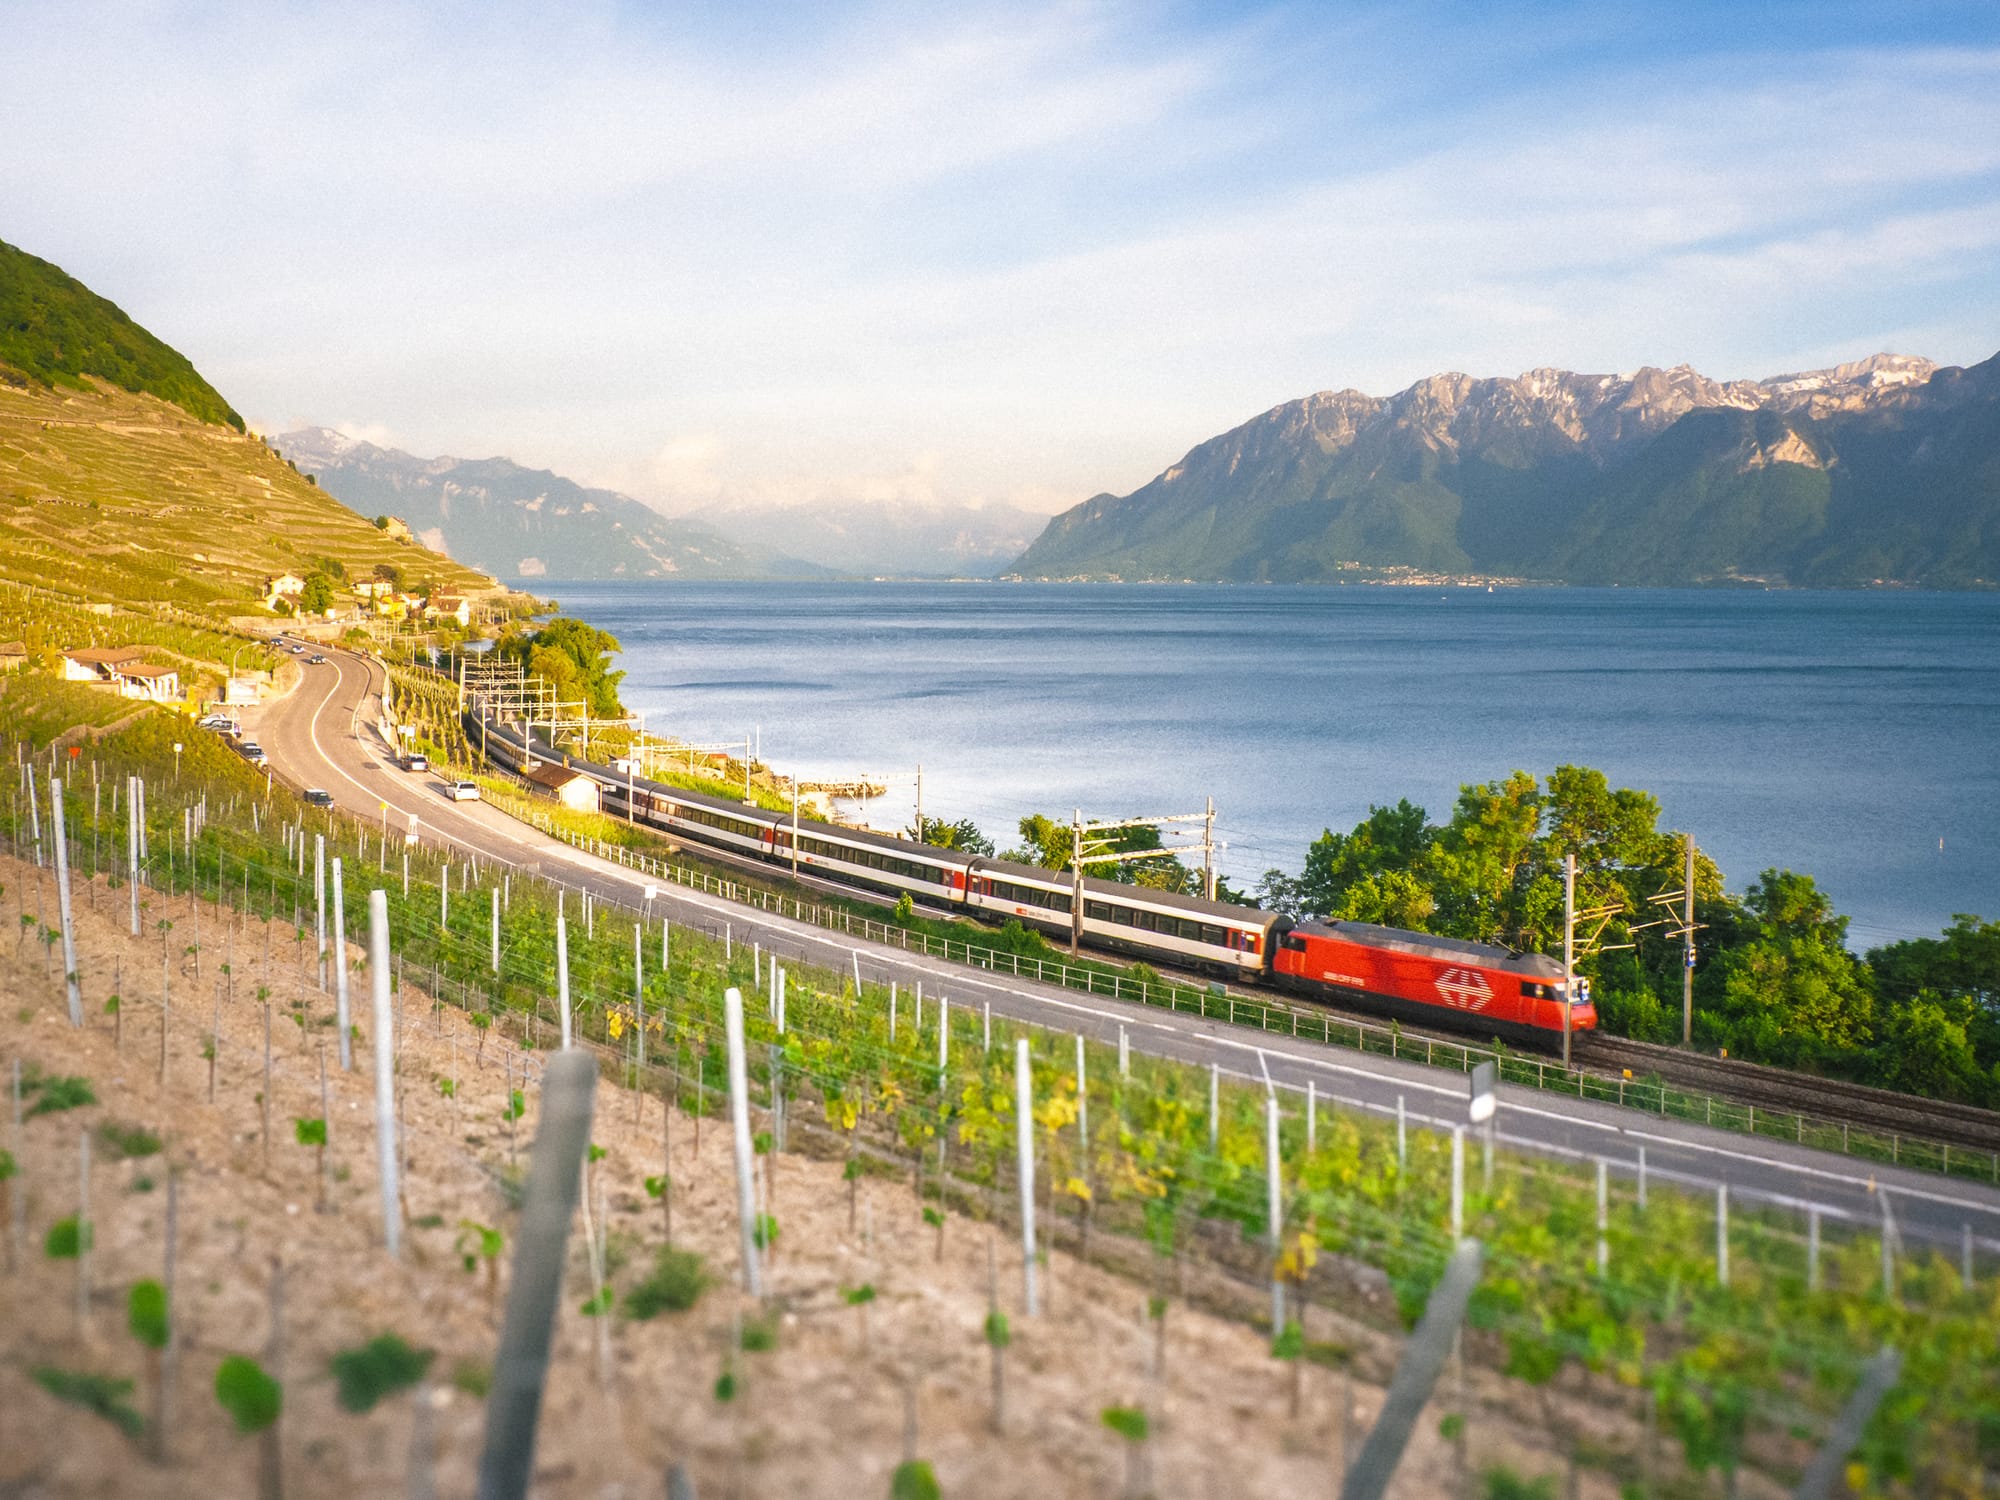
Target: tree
(1389, 838)
(317, 595)
(1923, 1049)
(575, 657)
(1792, 993)
(964, 836)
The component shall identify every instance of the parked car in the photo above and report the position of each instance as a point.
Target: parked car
(462, 791)
(253, 752)
(416, 762)
(319, 798)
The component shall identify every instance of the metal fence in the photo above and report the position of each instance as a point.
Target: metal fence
(1311, 1024)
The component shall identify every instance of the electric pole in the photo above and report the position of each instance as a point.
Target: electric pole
(1569, 947)
(795, 826)
(1076, 882)
(1208, 851)
(920, 802)
(1687, 960)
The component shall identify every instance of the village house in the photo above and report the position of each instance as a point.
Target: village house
(448, 607)
(95, 663)
(570, 788)
(285, 588)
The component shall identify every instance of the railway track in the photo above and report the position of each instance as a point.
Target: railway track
(1828, 1099)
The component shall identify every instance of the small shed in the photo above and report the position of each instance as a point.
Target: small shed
(570, 788)
(98, 663)
(144, 680)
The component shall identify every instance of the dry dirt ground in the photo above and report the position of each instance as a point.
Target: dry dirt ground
(819, 1416)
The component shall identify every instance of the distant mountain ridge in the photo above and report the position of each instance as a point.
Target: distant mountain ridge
(1883, 470)
(522, 523)
(889, 538)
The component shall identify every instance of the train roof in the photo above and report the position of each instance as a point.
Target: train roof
(1215, 911)
(1489, 955)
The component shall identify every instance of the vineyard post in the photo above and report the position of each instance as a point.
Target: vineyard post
(385, 1071)
(1275, 1208)
(84, 1233)
(1965, 1256)
(444, 898)
(34, 815)
(342, 1017)
(1082, 1103)
(1722, 1233)
(562, 975)
(1214, 1104)
(739, 1111)
(1642, 1179)
(1457, 1183)
(892, 1012)
(264, 1099)
(666, 929)
(1812, 1247)
(17, 1196)
(1417, 1369)
(319, 902)
(163, 1393)
(1124, 1053)
(639, 993)
(1024, 1149)
(857, 976)
(756, 963)
(520, 1367)
(1312, 1116)
(493, 956)
(132, 847)
(944, 1034)
(1603, 1217)
(986, 1027)
(727, 944)
(72, 983)
(1402, 1137)
(1888, 1249)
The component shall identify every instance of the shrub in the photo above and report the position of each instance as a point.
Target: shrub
(378, 1368)
(146, 1313)
(914, 1480)
(677, 1280)
(97, 1393)
(122, 1141)
(252, 1398)
(67, 1238)
(53, 1095)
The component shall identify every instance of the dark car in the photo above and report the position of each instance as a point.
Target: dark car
(319, 798)
(316, 658)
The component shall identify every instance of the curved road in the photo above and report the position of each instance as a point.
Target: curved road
(322, 734)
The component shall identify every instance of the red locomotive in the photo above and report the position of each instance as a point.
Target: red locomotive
(1436, 981)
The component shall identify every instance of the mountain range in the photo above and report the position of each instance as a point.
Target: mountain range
(522, 523)
(1886, 470)
(887, 538)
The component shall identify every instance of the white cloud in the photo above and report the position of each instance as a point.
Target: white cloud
(1014, 255)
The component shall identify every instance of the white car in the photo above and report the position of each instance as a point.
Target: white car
(462, 791)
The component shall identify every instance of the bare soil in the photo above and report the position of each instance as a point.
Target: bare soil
(821, 1415)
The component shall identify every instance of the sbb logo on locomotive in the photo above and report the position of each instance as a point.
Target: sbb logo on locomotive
(1464, 989)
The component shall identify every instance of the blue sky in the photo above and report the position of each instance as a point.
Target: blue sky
(1015, 254)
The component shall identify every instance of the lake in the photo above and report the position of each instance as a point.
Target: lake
(1853, 736)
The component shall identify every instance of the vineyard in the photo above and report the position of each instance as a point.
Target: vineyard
(1624, 1337)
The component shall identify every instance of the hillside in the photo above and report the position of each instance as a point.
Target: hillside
(124, 476)
(55, 331)
(118, 496)
(517, 522)
(1885, 470)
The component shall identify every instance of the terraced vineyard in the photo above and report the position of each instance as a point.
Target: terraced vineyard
(1650, 1339)
(108, 495)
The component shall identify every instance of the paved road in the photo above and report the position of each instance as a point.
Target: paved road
(322, 734)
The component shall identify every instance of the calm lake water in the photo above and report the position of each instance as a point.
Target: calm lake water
(1842, 734)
